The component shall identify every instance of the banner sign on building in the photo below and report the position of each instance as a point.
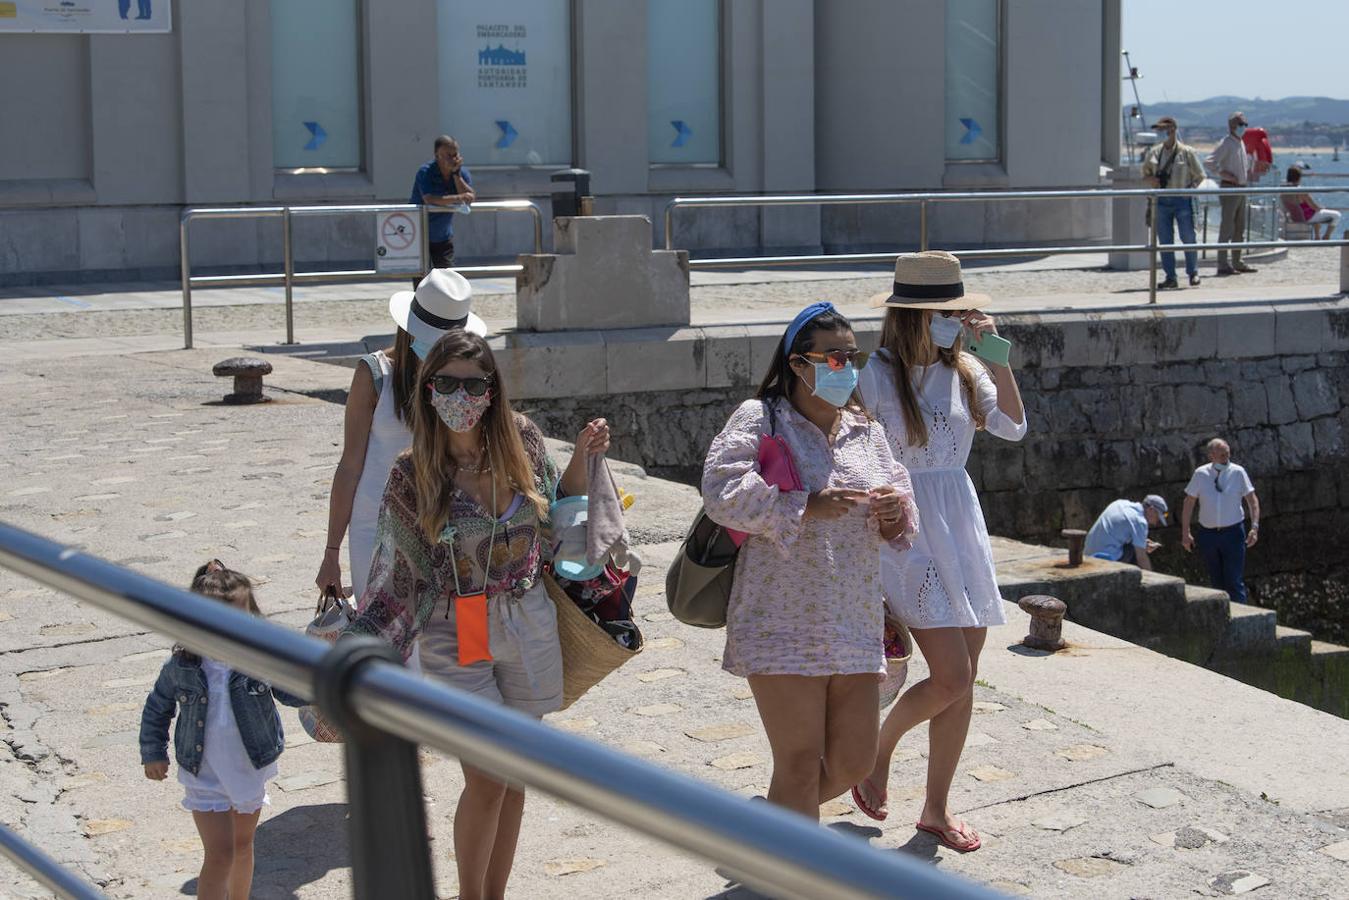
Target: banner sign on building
(398, 244)
(505, 80)
(86, 16)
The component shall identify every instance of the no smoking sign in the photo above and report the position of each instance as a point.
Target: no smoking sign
(398, 243)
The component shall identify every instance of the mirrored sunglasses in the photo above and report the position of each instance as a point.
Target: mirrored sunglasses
(838, 359)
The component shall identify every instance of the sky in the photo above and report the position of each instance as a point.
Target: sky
(1195, 49)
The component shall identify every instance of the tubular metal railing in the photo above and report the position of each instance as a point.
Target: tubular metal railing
(926, 200)
(382, 708)
(45, 870)
(288, 277)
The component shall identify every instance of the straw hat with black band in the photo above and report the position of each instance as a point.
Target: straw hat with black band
(442, 302)
(929, 279)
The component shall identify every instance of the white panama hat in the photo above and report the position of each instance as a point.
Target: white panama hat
(442, 302)
(929, 279)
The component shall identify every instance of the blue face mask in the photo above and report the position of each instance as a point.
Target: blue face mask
(945, 330)
(421, 348)
(835, 386)
(1218, 467)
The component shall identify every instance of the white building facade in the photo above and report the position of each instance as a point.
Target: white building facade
(338, 101)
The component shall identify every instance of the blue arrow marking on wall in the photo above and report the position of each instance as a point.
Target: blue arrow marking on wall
(972, 131)
(682, 133)
(508, 134)
(317, 135)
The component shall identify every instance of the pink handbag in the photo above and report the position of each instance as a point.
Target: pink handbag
(775, 467)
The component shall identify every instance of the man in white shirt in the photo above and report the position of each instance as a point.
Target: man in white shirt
(1232, 166)
(1219, 487)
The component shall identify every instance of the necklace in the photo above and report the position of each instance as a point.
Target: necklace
(483, 466)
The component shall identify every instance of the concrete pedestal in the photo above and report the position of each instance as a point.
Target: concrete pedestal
(1128, 218)
(604, 275)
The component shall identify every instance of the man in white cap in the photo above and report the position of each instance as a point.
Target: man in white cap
(1231, 164)
(1120, 533)
(1219, 487)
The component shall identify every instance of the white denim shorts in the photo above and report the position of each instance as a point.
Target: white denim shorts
(525, 671)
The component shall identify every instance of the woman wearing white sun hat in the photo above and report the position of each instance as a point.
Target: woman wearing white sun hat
(377, 426)
(932, 397)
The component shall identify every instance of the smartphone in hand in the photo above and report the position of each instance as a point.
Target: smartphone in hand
(991, 348)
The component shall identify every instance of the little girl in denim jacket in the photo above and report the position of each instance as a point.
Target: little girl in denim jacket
(227, 741)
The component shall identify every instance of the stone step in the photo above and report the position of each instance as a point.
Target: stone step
(1200, 626)
(1250, 629)
(1330, 666)
(1293, 639)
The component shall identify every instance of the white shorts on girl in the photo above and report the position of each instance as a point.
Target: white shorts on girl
(226, 779)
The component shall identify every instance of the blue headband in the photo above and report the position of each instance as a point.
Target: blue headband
(804, 317)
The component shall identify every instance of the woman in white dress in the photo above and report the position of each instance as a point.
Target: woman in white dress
(932, 397)
(377, 427)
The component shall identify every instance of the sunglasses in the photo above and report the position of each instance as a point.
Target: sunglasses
(838, 359)
(448, 384)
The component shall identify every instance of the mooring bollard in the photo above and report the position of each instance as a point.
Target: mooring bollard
(247, 372)
(1046, 622)
(1077, 539)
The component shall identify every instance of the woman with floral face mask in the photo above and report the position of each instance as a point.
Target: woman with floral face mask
(457, 568)
(805, 621)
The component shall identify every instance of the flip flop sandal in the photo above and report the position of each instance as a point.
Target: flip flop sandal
(879, 812)
(944, 836)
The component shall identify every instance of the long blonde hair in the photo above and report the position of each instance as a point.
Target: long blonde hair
(906, 339)
(433, 465)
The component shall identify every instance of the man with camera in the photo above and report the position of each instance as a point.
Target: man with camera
(1233, 167)
(1172, 164)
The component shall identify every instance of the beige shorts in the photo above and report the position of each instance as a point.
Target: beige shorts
(525, 671)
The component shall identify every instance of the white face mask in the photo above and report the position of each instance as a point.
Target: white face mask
(945, 330)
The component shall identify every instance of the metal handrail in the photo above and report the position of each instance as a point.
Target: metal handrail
(926, 198)
(288, 277)
(43, 869)
(773, 850)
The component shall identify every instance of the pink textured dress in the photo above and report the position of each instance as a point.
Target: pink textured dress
(807, 598)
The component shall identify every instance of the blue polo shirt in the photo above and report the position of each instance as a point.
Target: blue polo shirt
(1123, 524)
(429, 182)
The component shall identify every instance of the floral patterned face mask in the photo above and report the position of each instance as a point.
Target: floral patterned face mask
(459, 410)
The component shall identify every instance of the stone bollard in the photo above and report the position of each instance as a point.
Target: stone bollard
(247, 372)
(1046, 622)
(1077, 539)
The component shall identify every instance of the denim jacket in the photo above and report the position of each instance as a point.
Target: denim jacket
(181, 687)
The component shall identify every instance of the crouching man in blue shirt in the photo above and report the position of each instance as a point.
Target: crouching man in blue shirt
(444, 181)
(1121, 532)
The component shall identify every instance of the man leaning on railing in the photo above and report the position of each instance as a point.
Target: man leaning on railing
(443, 181)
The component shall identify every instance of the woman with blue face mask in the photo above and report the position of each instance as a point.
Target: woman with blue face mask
(805, 619)
(377, 425)
(933, 397)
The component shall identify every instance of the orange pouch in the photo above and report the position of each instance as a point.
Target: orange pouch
(470, 622)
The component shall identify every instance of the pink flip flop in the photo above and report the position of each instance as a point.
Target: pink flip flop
(879, 812)
(963, 842)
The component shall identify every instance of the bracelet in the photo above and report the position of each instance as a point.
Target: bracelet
(338, 547)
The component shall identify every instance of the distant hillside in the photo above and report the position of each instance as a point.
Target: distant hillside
(1290, 111)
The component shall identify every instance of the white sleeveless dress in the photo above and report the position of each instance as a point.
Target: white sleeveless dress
(947, 580)
(389, 437)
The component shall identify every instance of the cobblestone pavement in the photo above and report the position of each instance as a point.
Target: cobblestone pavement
(133, 459)
(366, 306)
